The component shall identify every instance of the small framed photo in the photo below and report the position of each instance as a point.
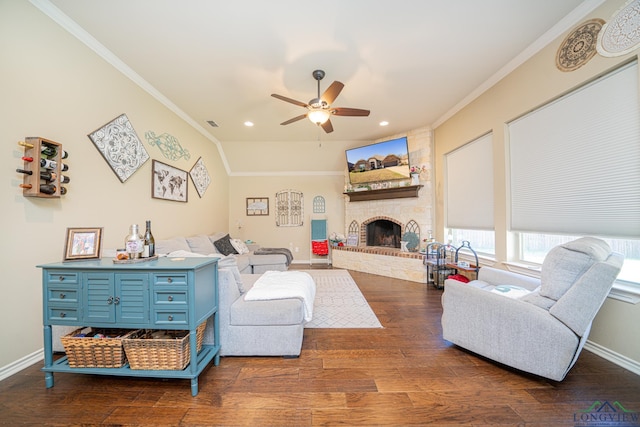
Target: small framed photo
(168, 183)
(83, 244)
(352, 240)
(257, 206)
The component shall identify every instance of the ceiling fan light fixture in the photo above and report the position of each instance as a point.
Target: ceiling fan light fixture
(319, 116)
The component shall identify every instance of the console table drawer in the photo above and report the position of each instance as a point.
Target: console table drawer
(164, 296)
(170, 317)
(62, 314)
(66, 277)
(170, 278)
(57, 294)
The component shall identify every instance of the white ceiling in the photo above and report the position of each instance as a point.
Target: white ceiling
(410, 62)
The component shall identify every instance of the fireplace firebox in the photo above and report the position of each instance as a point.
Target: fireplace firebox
(383, 233)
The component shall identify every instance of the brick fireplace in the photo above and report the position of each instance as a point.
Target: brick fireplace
(385, 258)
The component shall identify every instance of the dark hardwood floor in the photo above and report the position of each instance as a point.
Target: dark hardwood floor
(404, 374)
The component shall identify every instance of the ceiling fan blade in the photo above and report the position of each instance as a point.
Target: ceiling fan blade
(293, 101)
(350, 112)
(327, 126)
(332, 92)
(295, 119)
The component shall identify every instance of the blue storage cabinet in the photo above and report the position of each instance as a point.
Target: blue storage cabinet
(166, 293)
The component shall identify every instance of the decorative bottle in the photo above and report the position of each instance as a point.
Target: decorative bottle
(134, 242)
(149, 242)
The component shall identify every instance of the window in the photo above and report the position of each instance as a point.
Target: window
(575, 170)
(469, 195)
(534, 247)
(482, 241)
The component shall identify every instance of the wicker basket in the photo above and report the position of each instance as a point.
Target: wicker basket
(88, 352)
(156, 354)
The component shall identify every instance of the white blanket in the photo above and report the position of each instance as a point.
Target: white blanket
(285, 284)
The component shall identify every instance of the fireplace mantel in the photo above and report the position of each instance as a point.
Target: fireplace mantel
(384, 193)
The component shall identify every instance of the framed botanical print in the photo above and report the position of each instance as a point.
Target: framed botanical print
(257, 206)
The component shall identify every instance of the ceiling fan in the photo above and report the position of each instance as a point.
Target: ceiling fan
(320, 110)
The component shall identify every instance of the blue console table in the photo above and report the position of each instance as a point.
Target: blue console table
(166, 293)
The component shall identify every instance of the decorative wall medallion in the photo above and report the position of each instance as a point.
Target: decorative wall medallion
(621, 34)
(120, 146)
(168, 145)
(200, 177)
(579, 46)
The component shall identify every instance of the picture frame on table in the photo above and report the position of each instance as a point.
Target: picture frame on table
(169, 182)
(84, 243)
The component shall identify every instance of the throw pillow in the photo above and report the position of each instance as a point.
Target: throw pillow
(224, 246)
(201, 244)
(239, 246)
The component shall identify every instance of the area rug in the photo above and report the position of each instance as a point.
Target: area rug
(339, 303)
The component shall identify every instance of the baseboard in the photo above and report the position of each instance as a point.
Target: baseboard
(612, 356)
(20, 364)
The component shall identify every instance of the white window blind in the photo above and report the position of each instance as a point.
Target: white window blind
(575, 163)
(469, 185)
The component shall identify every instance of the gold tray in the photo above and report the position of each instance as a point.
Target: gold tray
(134, 261)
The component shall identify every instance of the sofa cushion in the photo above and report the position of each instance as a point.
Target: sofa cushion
(224, 245)
(201, 244)
(564, 264)
(164, 247)
(239, 246)
(266, 313)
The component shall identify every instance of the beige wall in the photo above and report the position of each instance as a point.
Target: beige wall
(263, 229)
(534, 83)
(54, 87)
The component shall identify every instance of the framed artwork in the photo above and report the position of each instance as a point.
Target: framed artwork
(200, 177)
(257, 206)
(168, 183)
(120, 146)
(352, 240)
(83, 244)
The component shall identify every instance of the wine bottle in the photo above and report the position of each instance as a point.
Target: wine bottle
(149, 242)
(64, 154)
(134, 242)
(48, 188)
(64, 179)
(24, 171)
(48, 150)
(27, 159)
(63, 190)
(64, 167)
(25, 144)
(48, 175)
(49, 164)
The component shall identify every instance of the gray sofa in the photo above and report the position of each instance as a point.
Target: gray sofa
(248, 263)
(543, 326)
(255, 328)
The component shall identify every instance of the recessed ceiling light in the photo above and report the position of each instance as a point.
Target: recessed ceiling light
(248, 124)
(384, 123)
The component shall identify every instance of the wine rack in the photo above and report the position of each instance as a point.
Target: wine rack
(33, 147)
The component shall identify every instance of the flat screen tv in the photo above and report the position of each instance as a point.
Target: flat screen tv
(382, 161)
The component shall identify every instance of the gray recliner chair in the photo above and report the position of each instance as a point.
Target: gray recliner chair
(535, 325)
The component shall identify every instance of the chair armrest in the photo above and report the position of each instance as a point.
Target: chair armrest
(496, 277)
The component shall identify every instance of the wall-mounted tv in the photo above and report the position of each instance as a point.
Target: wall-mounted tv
(382, 161)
